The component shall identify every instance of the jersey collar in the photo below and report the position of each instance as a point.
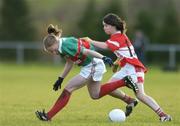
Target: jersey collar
(118, 32)
(60, 45)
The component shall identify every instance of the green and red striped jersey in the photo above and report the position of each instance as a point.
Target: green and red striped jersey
(72, 48)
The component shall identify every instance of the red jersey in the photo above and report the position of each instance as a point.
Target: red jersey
(121, 45)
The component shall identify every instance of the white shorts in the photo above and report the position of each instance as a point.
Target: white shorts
(95, 69)
(137, 74)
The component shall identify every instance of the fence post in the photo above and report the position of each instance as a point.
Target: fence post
(20, 54)
(172, 58)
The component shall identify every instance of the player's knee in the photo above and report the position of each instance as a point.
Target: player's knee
(94, 97)
(71, 88)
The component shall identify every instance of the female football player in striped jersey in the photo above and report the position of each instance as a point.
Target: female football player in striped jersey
(80, 52)
(130, 65)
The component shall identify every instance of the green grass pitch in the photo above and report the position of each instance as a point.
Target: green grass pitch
(26, 88)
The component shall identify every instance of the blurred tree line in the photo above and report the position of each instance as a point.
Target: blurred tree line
(17, 24)
(17, 21)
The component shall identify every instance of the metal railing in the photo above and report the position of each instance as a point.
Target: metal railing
(20, 47)
(170, 48)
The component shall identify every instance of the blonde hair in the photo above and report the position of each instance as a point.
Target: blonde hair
(51, 38)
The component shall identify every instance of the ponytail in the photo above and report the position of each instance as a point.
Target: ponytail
(122, 26)
(54, 30)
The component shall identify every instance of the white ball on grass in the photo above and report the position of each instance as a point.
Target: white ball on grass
(117, 115)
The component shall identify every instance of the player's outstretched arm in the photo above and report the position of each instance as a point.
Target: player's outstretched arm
(115, 66)
(98, 55)
(92, 53)
(67, 69)
(98, 44)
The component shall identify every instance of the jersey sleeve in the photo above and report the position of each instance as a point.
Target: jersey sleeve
(113, 44)
(85, 45)
(70, 46)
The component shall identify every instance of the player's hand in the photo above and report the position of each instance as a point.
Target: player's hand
(57, 84)
(107, 60)
(87, 39)
(115, 66)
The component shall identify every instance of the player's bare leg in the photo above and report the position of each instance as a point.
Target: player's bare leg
(94, 89)
(131, 102)
(74, 84)
(149, 101)
(97, 91)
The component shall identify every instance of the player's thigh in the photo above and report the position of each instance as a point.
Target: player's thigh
(75, 83)
(94, 88)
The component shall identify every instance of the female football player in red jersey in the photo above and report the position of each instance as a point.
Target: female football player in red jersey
(77, 51)
(121, 46)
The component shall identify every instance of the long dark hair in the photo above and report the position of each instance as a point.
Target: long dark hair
(115, 20)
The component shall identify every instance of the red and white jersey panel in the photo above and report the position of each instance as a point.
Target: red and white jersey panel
(124, 50)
